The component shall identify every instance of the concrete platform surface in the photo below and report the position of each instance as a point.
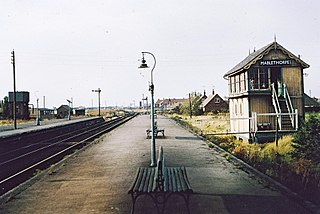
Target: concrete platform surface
(98, 178)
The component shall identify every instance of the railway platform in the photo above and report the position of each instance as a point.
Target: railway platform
(97, 179)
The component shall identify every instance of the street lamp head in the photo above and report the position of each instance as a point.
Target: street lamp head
(143, 64)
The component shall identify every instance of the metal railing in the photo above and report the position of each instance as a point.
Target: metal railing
(272, 119)
(276, 104)
(288, 103)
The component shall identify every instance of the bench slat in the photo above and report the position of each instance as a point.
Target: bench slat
(168, 181)
(151, 180)
(173, 180)
(178, 180)
(147, 180)
(182, 180)
(137, 182)
(143, 180)
(155, 179)
(165, 183)
(186, 179)
(134, 182)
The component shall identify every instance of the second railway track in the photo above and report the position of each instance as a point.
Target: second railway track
(23, 155)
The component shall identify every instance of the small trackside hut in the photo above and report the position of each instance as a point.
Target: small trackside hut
(266, 94)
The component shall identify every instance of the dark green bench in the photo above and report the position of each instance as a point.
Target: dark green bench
(156, 131)
(160, 183)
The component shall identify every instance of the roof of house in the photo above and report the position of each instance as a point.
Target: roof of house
(169, 101)
(209, 98)
(259, 54)
(64, 107)
(203, 97)
(308, 101)
(46, 109)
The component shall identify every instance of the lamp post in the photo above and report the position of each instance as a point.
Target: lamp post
(38, 114)
(14, 112)
(145, 106)
(69, 114)
(190, 105)
(99, 91)
(151, 89)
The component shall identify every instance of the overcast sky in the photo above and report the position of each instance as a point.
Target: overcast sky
(65, 49)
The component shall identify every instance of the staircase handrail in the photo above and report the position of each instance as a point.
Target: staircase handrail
(275, 100)
(276, 104)
(288, 103)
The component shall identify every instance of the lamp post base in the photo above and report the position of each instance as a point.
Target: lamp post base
(38, 121)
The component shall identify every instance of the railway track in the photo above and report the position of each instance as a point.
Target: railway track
(23, 155)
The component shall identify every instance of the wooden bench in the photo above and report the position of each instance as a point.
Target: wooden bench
(160, 183)
(156, 131)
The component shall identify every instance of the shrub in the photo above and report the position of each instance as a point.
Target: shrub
(294, 162)
(211, 145)
(307, 140)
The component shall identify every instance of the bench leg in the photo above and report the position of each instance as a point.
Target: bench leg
(188, 207)
(133, 203)
(160, 200)
(186, 199)
(148, 134)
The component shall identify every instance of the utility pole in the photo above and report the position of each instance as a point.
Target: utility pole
(190, 105)
(14, 110)
(99, 91)
(38, 114)
(144, 105)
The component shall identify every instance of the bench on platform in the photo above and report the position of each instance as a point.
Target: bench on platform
(156, 131)
(160, 183)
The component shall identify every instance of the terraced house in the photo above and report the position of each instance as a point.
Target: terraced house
(266, 94)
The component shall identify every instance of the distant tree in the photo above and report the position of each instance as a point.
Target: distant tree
(192, 105)
(307, 140)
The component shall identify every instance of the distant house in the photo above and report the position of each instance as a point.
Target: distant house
(80, 111)
(63, 111)
(266, 94)
(22, 105)
(169, 104)
(214, 103)
(44, 113)
(311, 104)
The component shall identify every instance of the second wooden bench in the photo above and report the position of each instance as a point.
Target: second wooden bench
(160, 183)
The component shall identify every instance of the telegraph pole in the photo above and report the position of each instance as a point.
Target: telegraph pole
(99, 91)
(14, 110)
(190, 105)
